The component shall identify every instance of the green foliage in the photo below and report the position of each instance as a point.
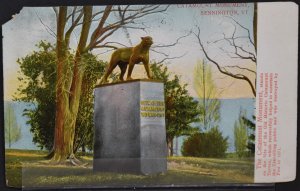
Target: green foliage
(209, 105)
(208, 144)
(84, 133)
(38, 77)
(241, 136)
(12, 129)
(181, 108)
(251, 134)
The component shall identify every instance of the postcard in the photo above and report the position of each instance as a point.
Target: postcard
(150, 95)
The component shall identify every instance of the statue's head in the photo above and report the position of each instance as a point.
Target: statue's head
(147, 40)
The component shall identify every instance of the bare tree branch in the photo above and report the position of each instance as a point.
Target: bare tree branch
(172, 44)
(146, 10)
(222, 69)
(239, 51)
(171, 58)
(48, 29)
(106, 46)
(221, 90)
(232, 42)
(248, 31)
(55, 11)
(98, 31)
(104, 29)
(105, 36)
(115, 43)
(162, 53)
(121, 16)
(235, 38)
(109, 45)
(73, 13)
(97, 13)
(242, 68)
(74, 23)
(109, 50)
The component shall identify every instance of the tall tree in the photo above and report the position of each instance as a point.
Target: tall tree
(70, 73)
(181, 108)
(209, 142)
(12, 129)
(209, 104)
(84, 132)
(251, 133)
(241, 136)
(38, 82)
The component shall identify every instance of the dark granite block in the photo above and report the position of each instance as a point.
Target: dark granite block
(130, 134)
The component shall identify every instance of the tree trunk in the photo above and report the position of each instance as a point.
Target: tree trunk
(255, 25)
(68, 89)
(64, 133)
(83, 149)
(61, 143)
(204, 96)
(176, 146)
(170, 146)
(66, 114)
(255, 33)
(9, 127)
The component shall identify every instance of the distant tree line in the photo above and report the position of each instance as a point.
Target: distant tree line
(12, 129)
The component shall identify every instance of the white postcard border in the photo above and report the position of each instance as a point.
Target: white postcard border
(277, 65)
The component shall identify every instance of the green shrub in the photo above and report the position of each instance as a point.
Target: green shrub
(208, 144)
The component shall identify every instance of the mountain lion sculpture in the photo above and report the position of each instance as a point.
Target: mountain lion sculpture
(130, 56)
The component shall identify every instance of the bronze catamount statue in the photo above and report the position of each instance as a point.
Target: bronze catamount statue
(130, 56)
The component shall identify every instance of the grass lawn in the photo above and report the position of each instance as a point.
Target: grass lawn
(31, 169)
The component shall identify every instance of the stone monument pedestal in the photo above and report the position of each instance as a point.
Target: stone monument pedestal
(130, 133)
